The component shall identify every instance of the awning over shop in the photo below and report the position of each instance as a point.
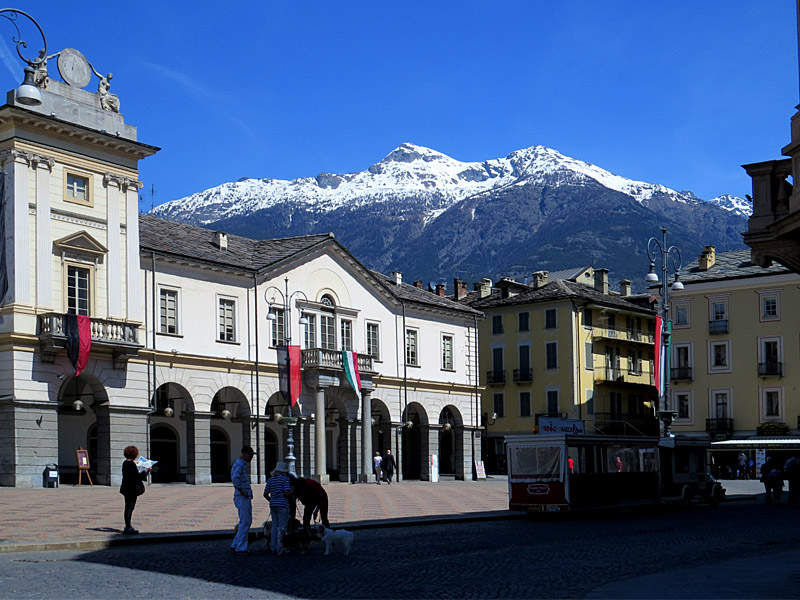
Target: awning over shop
(757, 442)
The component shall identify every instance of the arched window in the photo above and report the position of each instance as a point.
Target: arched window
(327, 300)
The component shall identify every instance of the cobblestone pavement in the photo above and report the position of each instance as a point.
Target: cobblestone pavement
(95, 513)
(739, 550)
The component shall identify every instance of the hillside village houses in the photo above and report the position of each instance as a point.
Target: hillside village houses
(184, 325)
(564, 346)
(734, 347)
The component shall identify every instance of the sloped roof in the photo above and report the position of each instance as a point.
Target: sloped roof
(194, 243)
(409, 293)
(560, 289)
(571, 274)
(197, 243)
(729, 265)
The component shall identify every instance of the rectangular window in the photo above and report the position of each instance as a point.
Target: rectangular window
(499, 409)
(347, 335)
(550, 318)
(772, 403)
(373, 340)
(551, 355)
(278, 327)
(310, 334)
(78, 290)
(412, 357)
(719, 356)
(77, 188)
(227, 320)
(447, 352)
(681, 315)
(589, 355)
(682, 402)
(327, 332)
(720, 404)
(524, 319)
(770, 308)
(718, 311)
(524, 404)
(552, 402)
(169, 311)
(590, 402)
(497, 324)
(587, 317)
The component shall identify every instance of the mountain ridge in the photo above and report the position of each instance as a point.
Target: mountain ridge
(485, 213)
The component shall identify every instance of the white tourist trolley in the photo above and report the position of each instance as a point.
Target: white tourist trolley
(561, 472)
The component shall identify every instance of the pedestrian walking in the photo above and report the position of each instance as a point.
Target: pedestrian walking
(741, 472)
(314, 499)
(377, 460)
(278, 492)
(242, 499)
(766, 468)
(132, 485)
(792, 473)
(388, 466)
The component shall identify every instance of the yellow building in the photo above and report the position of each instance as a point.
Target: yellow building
(560, 348)
(735, 339)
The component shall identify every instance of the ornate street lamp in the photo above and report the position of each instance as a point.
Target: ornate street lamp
(271, 295)
(28, 93)
(667, 254)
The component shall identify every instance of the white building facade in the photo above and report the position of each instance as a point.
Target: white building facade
(183, 359)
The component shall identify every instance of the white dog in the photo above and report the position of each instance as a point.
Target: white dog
(337, 537)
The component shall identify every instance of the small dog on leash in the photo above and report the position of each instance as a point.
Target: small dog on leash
(295, 537)
(337, 537)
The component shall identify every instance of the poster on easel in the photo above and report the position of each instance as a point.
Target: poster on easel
(83, 465)
(480, 471)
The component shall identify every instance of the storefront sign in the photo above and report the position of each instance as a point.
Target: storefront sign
(550, 425)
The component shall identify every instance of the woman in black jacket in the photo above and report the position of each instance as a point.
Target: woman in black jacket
(132, 486)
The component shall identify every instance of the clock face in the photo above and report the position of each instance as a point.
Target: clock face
(74, 68)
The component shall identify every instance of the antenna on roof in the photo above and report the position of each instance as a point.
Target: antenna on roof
(152, 196)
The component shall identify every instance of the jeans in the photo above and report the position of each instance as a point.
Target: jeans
(280, 519)
(245, 508)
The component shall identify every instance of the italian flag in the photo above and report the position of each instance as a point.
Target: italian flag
(350, 361)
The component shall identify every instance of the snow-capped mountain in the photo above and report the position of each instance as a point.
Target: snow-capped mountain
(433, 179)
(422, 212)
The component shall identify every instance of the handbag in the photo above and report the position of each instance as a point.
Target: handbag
(140, 488)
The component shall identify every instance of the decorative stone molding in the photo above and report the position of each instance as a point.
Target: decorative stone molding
(121, 182)
(32, 159)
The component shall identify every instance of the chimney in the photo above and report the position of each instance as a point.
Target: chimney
(440, 290)
(707, 258)
(398, 277)
(539, 279)
(221, 240)
(601, 280)
(460, 289)
(625, 287)
(418, 284)
(484, 288)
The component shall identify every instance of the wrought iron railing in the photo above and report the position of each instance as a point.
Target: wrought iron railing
(495, 377)
(717, 327)
(681, 373)
(523, 375)
(719, 425)
(770, 369)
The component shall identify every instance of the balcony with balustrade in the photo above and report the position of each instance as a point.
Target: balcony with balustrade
(523, 375)
(119, 338)
(719, 426)
(623, 423)
(718, 327)
(681, 373)
(634, 376)
(623, 335)
(496, 377)
(322, 358)
(770, 369)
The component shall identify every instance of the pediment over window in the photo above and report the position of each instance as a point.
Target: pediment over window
(81, 242)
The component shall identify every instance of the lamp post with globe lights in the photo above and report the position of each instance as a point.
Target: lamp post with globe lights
(669, 255)
(28, 92)
(282, 300)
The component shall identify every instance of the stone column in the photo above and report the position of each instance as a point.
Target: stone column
(432, 434)
(133, 282)
(28, 440)
(320, 458)
(44, 241)
(117, 427)
(366, 476)
(198, 447)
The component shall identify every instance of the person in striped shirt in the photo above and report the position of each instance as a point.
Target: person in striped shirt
(277, 492)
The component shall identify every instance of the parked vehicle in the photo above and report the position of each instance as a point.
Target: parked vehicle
(604, 471)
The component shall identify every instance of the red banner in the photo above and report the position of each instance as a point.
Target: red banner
(295, 378)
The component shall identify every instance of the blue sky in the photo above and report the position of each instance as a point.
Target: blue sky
(679, 93)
